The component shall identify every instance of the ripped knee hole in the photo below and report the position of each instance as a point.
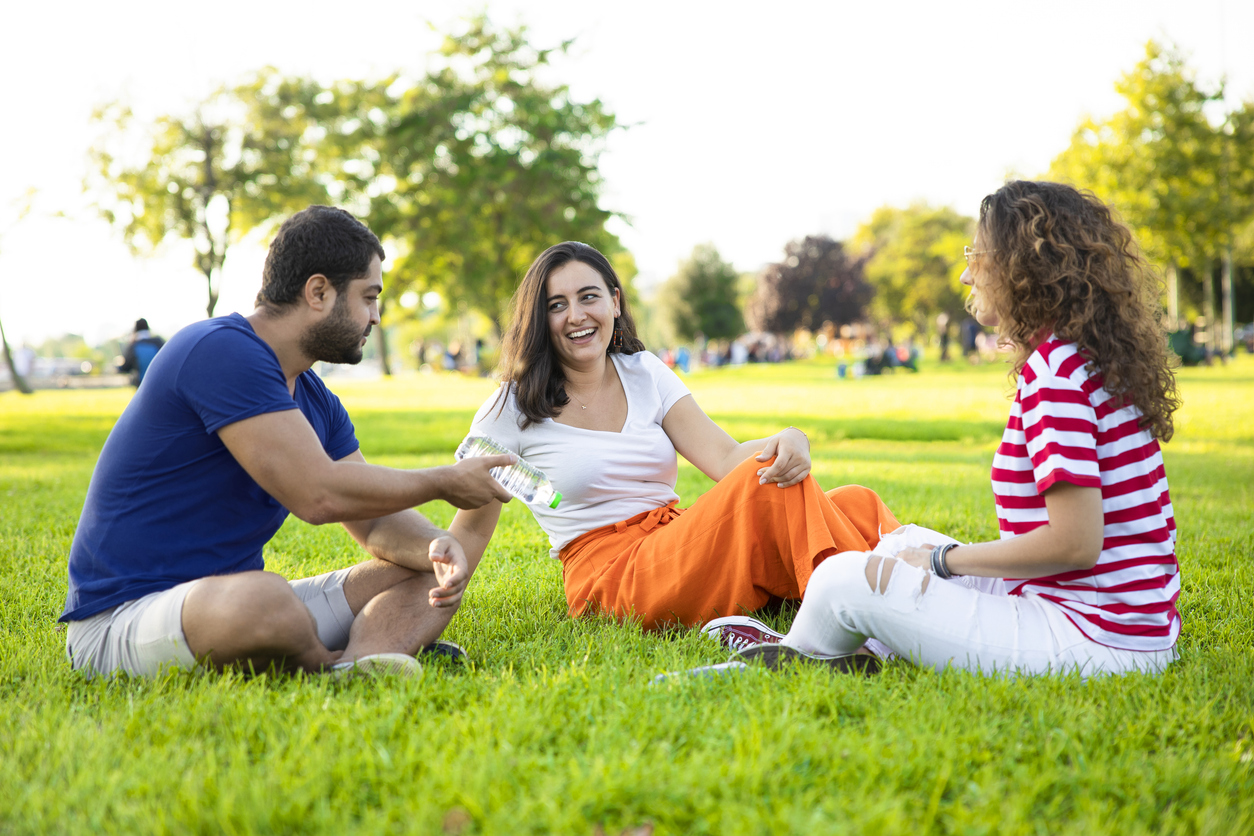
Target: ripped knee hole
(880, 569)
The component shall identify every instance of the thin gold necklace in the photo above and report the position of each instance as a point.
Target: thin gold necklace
(583, 405)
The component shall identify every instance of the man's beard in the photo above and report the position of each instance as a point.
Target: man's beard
(336, 339)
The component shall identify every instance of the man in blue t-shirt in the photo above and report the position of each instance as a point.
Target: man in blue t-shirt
(231, 431)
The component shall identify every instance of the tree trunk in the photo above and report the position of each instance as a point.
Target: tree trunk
(213, 294)
(382, 340)
(1208, 304)
(19, 382)
(1225, 284)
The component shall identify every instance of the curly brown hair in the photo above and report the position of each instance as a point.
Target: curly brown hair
(1062, 262)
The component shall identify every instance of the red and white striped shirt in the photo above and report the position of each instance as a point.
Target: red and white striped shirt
(1064, 427)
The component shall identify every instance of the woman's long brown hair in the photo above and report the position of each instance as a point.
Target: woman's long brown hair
(528, 363)
(1062, 262)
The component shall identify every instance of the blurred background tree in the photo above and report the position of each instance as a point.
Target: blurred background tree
(467, 173)
(817, 282)
(915, 262)
(208, 177)
(701, 298)
(468, 170)
(498, 166)
(1177, 165)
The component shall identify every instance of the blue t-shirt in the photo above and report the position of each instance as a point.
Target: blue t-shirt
(168, 503)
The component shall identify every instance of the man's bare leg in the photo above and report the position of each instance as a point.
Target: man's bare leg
(392, 609)
(255, 618)
(252, 618)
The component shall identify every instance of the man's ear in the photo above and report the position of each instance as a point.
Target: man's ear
(319, 293)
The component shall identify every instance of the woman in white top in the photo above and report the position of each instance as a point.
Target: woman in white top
(582, 400)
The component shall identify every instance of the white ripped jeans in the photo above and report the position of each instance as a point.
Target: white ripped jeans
(968, 623)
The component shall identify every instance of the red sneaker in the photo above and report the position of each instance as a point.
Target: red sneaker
(739, 631)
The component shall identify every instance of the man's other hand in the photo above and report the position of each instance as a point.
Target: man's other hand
(449, 562)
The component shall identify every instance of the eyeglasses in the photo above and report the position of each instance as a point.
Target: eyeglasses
(969, 252)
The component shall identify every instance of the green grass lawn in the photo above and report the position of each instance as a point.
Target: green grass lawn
(556, 728)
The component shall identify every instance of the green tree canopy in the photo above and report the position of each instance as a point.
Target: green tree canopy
(469, 171)
(701, 297)
(1158, 161)
(492, 165)
(916, 262)
(1178, 164)
(207, 176)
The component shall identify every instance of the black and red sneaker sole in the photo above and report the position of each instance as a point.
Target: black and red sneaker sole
(774, 656)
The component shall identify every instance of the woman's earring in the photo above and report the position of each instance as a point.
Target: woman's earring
(616, 341)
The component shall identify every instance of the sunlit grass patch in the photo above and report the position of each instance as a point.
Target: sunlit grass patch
(556, 727)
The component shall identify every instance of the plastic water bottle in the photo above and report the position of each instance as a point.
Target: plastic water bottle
(523, 480)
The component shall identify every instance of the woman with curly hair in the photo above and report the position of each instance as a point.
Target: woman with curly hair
(1084, 576)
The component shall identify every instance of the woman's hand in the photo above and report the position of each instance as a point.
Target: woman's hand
(921, 556)
(791, 450)
(449, 563)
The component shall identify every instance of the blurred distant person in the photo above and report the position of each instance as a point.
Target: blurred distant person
(138, 355)
(969, 332)
(230, 432)
(24, 360)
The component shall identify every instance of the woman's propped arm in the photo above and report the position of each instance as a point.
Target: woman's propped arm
(474, 530)
(715, 453)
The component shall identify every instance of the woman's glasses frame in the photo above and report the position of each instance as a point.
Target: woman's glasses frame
(970, 252)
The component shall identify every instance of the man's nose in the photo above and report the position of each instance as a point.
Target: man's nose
(967, 278)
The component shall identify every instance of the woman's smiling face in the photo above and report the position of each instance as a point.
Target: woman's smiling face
(581, 311)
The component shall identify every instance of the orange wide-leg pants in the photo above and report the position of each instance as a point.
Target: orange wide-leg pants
(740, 545)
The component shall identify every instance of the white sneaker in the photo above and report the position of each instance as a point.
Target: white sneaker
(378, 664)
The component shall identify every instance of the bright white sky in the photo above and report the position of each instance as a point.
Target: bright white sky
(753, 124)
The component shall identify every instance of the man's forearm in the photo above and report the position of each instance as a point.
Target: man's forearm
(351, 490)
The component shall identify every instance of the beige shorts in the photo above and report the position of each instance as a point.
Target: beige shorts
(145, 636)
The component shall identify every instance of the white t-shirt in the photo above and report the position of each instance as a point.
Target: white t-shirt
(604, 477)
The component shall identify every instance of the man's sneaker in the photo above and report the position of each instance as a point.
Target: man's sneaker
(705, 670)
(739, 631)
(378, 664)
(773, 656)
(441, 649)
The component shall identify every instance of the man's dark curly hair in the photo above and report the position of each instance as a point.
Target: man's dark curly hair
(1062, 262)
(319, 239)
